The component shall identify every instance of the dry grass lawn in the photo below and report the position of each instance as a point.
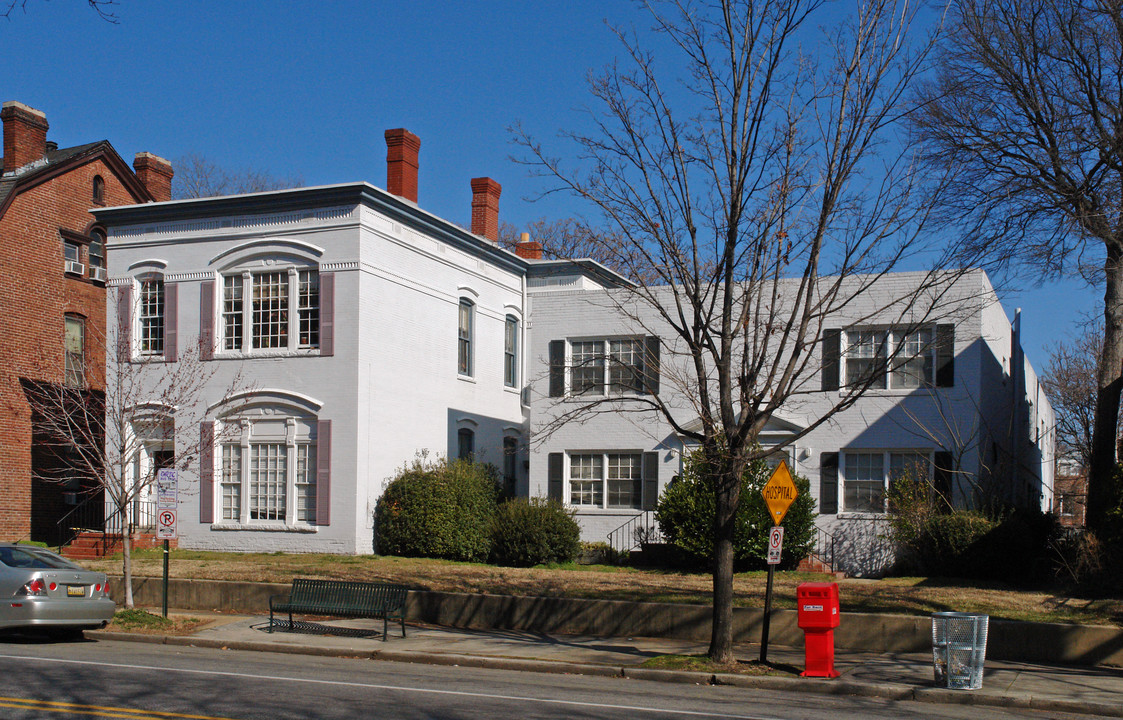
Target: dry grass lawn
(897, 595)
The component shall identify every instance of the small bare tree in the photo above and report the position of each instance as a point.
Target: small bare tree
(198, 177)
(104, 9)
(115, 440)
(755, 192)
(1026, 112)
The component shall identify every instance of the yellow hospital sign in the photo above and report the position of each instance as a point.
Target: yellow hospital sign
(779, 492)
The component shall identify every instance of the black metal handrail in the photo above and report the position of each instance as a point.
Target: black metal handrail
(90, 515)
(638, 530)
(823, 547)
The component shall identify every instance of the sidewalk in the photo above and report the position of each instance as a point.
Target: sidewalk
(1096, 691)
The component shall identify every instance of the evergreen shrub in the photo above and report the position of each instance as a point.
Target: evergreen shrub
(534, 532)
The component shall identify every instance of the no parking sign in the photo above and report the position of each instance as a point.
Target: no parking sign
(775, 545)
(165, 524)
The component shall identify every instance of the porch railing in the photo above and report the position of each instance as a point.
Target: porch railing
(95, 515)
(822, 548)
(639, 530)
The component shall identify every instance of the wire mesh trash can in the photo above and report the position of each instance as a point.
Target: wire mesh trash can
(959, 649)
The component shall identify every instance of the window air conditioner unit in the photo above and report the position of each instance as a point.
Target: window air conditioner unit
(69, 498)
(99, 273)
(74, 267)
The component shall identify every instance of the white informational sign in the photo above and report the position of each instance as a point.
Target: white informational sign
(167, 488)
(775, 545)
(165, 524)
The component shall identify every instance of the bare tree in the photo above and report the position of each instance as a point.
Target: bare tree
(116, 440)
(198, 177)
(564, 239)
(1070, 379)
(756, 192)
(104, 9)
(1027, 112)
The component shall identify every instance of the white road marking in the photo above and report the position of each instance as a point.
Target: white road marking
(459, 693)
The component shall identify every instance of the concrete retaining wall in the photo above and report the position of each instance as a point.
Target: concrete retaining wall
(860, 632)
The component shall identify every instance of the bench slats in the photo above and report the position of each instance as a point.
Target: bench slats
(345, 598)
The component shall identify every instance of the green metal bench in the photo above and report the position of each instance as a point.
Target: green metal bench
(344, 598)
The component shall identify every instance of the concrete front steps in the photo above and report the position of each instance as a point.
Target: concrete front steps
(91, 545)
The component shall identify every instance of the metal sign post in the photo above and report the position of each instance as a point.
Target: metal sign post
(167, 503)
(779, 494)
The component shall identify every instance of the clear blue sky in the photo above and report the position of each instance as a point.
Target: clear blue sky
(307, 87)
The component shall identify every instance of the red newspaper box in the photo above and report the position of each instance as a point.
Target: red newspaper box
(817, 606)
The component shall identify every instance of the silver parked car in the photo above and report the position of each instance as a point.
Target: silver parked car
(39, 589)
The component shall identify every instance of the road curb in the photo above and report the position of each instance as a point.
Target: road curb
(886, 691)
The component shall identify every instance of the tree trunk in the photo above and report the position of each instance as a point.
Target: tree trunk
(1102, 494)
(727, 488)
(127, 561)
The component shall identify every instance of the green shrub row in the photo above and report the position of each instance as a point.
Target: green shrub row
(450, 509)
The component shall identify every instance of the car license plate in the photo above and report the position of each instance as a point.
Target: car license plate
(75, 590)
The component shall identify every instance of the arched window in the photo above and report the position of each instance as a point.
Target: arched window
(99, 189)
(464, 337)
(97, 249)
(465, 443)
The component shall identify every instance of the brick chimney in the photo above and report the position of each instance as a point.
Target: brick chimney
(402, 148)
(485, 208)
(25, 135)
(155, 174)
(528, 249)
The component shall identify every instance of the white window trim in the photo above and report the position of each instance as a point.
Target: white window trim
(138, 351)
(843, 513)
(242, 434)
(604, 507)
(893, 333)
(468, 373)
(605, 366)
(247, 349)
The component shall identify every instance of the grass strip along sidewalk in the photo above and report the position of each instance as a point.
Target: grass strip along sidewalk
(909, 595)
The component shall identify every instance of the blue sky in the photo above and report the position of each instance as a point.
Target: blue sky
(306, 88)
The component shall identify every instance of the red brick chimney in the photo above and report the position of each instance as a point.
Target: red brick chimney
(25, 135)
(485, 208)
(528, 249)
(155, 174)
(402, 148)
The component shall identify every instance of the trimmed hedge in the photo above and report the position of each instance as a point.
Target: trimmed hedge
(534, 532)
(439, 509)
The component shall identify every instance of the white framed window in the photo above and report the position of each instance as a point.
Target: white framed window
(606, 367)
(283, 312)
(75, 350)
(268, 471)
(464, 328)
(867, 474)
(867, 357)
(151, 317)
(606, 480)
(510, 351)
(97, 249)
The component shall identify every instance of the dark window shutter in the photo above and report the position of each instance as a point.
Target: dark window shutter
(832, 365)
(206, 320)
(945, 355)
(206, 473)
(557, 368)
(554, 477)
(323, 472)
(650, 479)
(327, 314)
(828, 483)
(651, 365)
(941, 475)
(124, 323)
(171, 321)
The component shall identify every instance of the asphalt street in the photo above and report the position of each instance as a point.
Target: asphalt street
(110, 679)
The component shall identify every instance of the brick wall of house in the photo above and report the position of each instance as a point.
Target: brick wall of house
(36, 295)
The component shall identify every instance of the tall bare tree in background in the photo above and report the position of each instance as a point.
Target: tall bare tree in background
(117, 439)
(753, 191)
(198, 177)
(564, 239)
(1027, 112)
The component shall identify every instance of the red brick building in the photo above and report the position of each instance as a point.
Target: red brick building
(52, 293)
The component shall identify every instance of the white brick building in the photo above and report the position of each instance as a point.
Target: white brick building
(369, 330)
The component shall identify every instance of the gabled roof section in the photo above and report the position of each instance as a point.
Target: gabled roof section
(60, 161)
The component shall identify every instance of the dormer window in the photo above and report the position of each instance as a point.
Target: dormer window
(99, 190)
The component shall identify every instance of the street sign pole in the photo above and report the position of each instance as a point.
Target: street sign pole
(166, 578)
(767, 616)
(167, 502)
(779, 493)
